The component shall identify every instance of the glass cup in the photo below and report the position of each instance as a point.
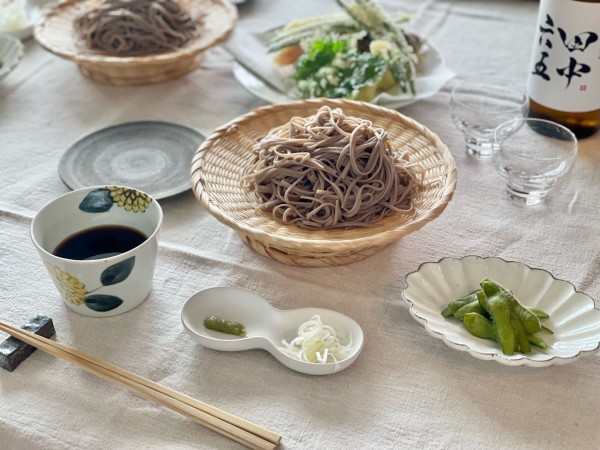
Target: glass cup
(479, 104)
(532, 155)
(99, 245)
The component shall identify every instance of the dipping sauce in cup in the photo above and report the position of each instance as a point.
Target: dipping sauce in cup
(99, 245)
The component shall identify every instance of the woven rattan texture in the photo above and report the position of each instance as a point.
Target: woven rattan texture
(220, 162)
(56, 33)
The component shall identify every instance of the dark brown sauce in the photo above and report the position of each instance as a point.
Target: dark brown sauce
(99, 242)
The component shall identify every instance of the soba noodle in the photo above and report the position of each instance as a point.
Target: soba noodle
(134, 27)
(330, 170)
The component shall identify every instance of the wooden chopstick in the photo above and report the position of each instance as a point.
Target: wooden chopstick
(238, 429)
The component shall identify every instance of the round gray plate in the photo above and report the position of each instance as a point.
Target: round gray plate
(154, 157)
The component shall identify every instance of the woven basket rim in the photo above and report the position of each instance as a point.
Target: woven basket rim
(341, 244)
(91, 56)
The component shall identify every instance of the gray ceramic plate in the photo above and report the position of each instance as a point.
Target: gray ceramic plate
(154, 157)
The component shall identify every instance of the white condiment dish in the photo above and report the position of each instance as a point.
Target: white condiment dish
(266, 326)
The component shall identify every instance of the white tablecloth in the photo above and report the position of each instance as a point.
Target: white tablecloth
(406, 390)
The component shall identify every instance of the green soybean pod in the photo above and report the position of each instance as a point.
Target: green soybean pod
(482, 299)
(530, 321)
(473, 307)
(537, 341)
(447, 312)
(499, 308)
(224, 326)
(479, 326)
(455, 305)
(520, 335)
(539, 313)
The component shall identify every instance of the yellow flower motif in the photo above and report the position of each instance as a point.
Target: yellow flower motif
(129, 199)
(70, 287)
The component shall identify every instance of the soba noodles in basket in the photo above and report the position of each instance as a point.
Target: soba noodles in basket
(330, 170)
(135, 27)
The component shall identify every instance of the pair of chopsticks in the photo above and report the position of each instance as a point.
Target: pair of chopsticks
(240, 430)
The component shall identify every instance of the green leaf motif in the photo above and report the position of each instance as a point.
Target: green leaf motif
(117, 272)
(97, 201)
(102, 303)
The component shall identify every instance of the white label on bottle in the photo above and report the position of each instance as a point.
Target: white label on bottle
(565, 67)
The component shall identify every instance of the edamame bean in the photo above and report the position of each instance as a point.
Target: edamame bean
(473, 307)
(500, 311)
(493, 312)
(530, 321)
(520, 335)
(539, 313)
(455, 305)
(479, 326)
(537, 341)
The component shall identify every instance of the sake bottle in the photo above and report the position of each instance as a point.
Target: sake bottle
(564, 75)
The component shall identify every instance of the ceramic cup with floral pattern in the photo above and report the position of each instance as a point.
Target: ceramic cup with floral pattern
(99, 276)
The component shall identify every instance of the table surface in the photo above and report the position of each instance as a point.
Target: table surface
(406, 389)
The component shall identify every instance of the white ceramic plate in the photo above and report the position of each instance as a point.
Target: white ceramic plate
(433, 74)
(265, 325)
(33, 13)
(573, 316)
(11, 52)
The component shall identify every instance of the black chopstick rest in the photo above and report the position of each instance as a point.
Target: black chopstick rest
(13, 351)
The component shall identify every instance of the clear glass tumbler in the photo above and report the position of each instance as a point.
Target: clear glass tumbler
(479, 104)
(532, 155)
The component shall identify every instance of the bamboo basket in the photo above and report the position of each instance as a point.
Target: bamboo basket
(219, 163)
(55, 32)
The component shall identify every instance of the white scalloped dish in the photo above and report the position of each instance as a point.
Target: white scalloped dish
(574, 318)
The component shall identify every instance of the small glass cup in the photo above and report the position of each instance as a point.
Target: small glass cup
(479, 104)
(532, 155)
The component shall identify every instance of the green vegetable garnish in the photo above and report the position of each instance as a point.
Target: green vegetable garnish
(370, 15)
(391, 63)
(496, 314)
(216, 323)
(332, 68)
